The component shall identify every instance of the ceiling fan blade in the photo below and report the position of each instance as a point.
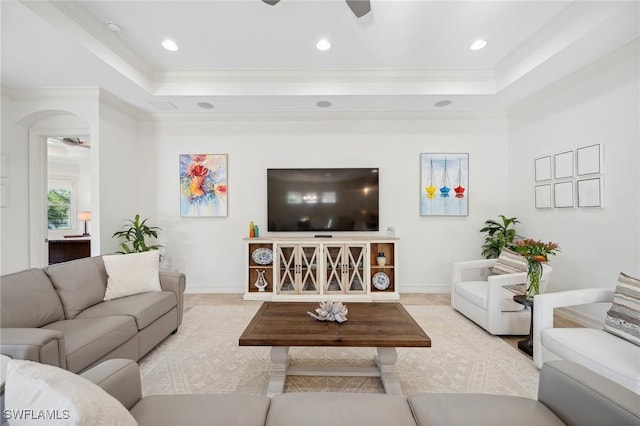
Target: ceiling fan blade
(358, 7)
(271, 2)
(74, 142)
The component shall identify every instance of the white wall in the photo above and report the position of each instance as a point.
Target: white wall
(14, 219)
(211, 250)
(120, 165)
(125, 175)
(599, 104)
(40, 115)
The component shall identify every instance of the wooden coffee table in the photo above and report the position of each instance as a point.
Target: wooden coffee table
(384, 326)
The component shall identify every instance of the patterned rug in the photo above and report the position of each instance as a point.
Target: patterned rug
(204, 357)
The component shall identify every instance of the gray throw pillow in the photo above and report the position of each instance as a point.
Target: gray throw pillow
(623, 319)
(509, 262)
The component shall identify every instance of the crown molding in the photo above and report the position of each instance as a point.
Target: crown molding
(296, 116)
(270, 82)
(84, 93)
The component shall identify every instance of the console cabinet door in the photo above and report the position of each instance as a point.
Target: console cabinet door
(297, 271)
(344, 268)
(354, 271)
(287, 269)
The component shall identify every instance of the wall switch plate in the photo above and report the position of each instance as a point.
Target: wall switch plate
(391, 231)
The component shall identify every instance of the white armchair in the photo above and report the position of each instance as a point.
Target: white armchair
(482, 298)
(600, 351)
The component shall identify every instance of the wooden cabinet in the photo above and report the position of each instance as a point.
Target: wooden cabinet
(296, 269)
(68, 249)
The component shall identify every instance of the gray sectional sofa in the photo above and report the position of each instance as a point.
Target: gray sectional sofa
(567, 394)
(56, 315)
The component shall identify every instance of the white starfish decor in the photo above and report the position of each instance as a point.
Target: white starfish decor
(330, 311)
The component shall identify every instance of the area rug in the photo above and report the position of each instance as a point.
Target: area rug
(204, 357)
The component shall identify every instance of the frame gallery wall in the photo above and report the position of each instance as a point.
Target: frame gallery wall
(570, 179)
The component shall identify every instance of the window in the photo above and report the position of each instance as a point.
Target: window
(61, 205)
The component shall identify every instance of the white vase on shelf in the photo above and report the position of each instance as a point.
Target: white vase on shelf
(261, 282)
(381, 259)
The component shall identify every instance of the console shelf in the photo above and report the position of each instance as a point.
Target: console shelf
(315, 269)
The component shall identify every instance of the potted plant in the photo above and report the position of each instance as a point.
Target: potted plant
(499, 236)
(134, 234)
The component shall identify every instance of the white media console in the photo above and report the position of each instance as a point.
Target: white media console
(314, 269)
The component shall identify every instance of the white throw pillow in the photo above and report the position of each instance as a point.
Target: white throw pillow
(40, 394)
(132, 274)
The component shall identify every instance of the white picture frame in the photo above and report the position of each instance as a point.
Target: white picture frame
(563, 165)
(543, 196)
(543, 168)
(590, 192)
(589, 160)
(4, 166)
(563, 195)
(4, 194)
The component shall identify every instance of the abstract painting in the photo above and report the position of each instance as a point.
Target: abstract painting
(444, 184)
(203, 185)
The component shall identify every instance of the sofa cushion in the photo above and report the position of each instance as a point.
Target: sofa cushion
(509, 262)
(327, 408)
(479, 409)
(623, 319)
(30, 286)
(132, 274)
(476, 293)
(620, 362)
(80, 283)
(63, 397)
(89, 339)
(193, 410)
(144, 307)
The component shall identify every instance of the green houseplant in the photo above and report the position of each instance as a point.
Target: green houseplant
(499, 235)
(134, 234)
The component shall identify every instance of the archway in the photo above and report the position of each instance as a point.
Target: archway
(40, 126)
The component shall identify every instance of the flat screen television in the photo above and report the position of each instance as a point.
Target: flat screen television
(322, 200)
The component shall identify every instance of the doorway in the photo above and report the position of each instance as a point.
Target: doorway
(70, 165)
(68, 198)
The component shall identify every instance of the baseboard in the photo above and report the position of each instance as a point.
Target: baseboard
(579, 317)
(425, 288)
(208, 289)
(405, 288)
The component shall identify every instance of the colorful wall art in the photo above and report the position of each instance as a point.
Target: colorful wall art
(203, 185)
(444, 184)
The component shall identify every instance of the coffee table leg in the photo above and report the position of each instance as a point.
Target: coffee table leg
(386, 362)
(279, 364)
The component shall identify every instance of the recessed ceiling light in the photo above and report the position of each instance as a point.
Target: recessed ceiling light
(170, 45)
(323, 104)
(205, 105)
(323, 44)
(478, 44)
(443, 103)
(113, 27)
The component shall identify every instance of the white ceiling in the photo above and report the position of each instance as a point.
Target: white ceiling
(244, 55)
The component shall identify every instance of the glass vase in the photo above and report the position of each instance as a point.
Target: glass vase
(534, 274)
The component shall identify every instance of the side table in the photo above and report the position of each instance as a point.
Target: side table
(526, 345)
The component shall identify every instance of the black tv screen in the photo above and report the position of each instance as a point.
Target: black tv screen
(322, 200)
